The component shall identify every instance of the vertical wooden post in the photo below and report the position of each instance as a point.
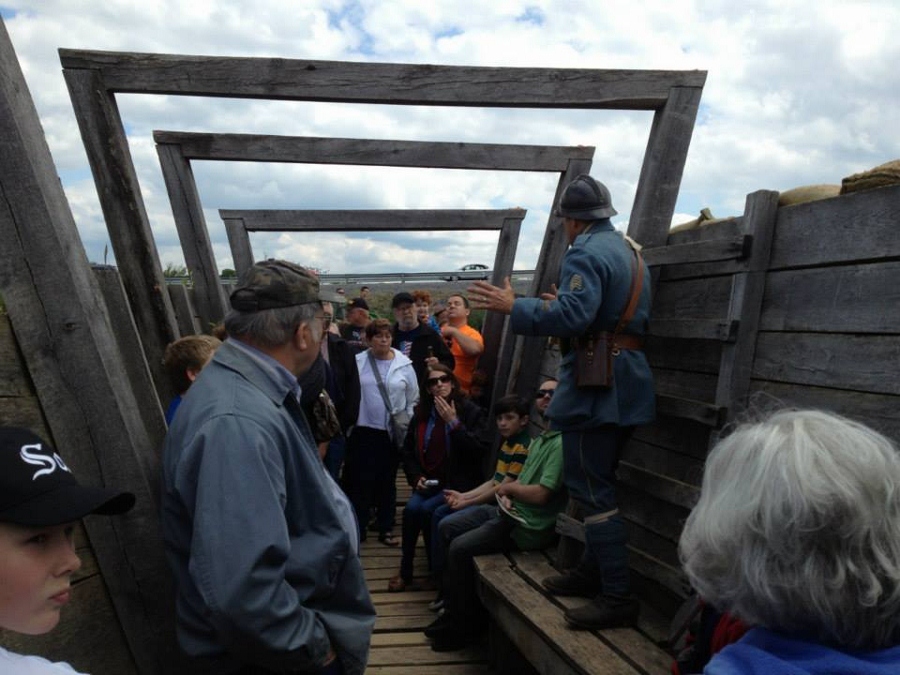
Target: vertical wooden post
(667, 146)
(747, 291)
(62, 327)
(494, 324)
(126, 218)
(239, 240)
(184, 310)
(137, 373)
(192, 232)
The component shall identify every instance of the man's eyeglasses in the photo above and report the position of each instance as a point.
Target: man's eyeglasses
(541, 393)
(442, 379)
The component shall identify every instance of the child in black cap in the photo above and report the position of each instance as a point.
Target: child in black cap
(40, 501)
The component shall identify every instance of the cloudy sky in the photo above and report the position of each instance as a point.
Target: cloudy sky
(797, 93)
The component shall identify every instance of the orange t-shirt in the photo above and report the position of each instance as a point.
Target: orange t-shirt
(465, 364)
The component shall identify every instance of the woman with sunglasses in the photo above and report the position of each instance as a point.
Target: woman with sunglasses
(445, 449)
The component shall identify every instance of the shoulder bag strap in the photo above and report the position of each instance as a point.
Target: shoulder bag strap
(381, 387)
(637, 284)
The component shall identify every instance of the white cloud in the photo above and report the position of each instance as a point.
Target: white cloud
(796, 94)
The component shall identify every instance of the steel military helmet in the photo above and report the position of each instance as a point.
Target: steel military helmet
(585, 199)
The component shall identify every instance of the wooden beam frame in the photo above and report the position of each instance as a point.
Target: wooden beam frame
(177, 149)
(509, 222)
(95, 77)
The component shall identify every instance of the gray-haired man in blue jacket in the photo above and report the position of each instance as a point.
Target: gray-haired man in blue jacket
(595, 287)
(262, 542)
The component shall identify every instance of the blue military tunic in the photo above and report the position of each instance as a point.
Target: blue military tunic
(595, 280)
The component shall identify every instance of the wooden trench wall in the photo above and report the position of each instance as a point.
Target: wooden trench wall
(793, 306)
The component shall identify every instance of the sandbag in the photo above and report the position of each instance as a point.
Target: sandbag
(881, 176)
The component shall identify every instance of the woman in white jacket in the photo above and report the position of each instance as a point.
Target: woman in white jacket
(370, 466)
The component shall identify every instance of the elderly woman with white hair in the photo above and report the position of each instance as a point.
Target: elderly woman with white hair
(797, 533)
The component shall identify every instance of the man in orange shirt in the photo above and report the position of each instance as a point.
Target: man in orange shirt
(466, 343)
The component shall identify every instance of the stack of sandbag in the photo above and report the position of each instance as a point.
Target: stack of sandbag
(880, 176)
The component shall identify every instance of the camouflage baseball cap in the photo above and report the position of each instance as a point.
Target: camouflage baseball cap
(271, 284)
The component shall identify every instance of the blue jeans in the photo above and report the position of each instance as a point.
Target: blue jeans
(451, 525)
(491, 535)
(590, 458)
(417, 516)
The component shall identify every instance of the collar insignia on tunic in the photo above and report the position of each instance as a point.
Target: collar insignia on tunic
(576, 284)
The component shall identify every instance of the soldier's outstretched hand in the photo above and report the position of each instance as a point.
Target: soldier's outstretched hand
(483, 295)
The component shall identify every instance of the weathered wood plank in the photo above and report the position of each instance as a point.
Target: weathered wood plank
(437, 669)
(661, 486)
(367, 220)
(849, 228)
(685, 384)
(641, 651)
(667, 148)
(878, 411)
(707, 298)
(698, 411)
(829, 360)
(126, 218)
(495, 324)
(184, 309)
(538, 629)
(137, 373)
(851, 299)
(695, 354)
(663, 461)
(62, 328)
(193, 234)
(373, 152)
(296, 79)
(735, 248)
(239, 242)
(14, 380)
(723, 330)
(659, 516)
(746, 302)
(683, 436)
(421, 654)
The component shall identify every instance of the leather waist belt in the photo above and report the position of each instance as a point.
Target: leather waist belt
(621, 341)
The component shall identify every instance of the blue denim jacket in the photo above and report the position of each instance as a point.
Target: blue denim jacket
(593, 290)
(265, 568)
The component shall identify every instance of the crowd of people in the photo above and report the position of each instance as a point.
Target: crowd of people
(287, 434)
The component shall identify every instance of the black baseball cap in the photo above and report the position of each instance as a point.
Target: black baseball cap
(402, 298)
(38, 489)
(358, 303)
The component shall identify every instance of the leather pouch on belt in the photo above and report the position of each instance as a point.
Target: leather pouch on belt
(594, 361)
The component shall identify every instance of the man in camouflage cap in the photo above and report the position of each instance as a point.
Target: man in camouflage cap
(261, 540)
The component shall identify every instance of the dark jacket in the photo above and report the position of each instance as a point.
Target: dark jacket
(462, 469)
(343, 380)
(424, 337)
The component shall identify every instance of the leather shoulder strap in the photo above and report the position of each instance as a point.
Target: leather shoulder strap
(637, 285)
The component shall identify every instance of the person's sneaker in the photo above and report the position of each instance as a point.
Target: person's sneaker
(604, 611)
(438, 626)
(573, 582)
(437, 604)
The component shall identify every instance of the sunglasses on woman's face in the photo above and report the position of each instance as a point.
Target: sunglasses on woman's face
(541, 393)
(442, 379)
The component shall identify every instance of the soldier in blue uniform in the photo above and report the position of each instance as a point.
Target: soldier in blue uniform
(596, 423)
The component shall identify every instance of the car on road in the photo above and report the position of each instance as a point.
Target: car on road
(470, 273)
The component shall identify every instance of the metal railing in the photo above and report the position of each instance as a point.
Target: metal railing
(373, 278)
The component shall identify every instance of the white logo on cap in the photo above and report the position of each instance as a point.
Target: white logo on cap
(50, 463)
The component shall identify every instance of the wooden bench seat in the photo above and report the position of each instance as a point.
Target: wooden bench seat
(509, 587)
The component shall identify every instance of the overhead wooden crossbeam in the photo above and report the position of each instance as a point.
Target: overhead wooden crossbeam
(95, 77)
(178, 149)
